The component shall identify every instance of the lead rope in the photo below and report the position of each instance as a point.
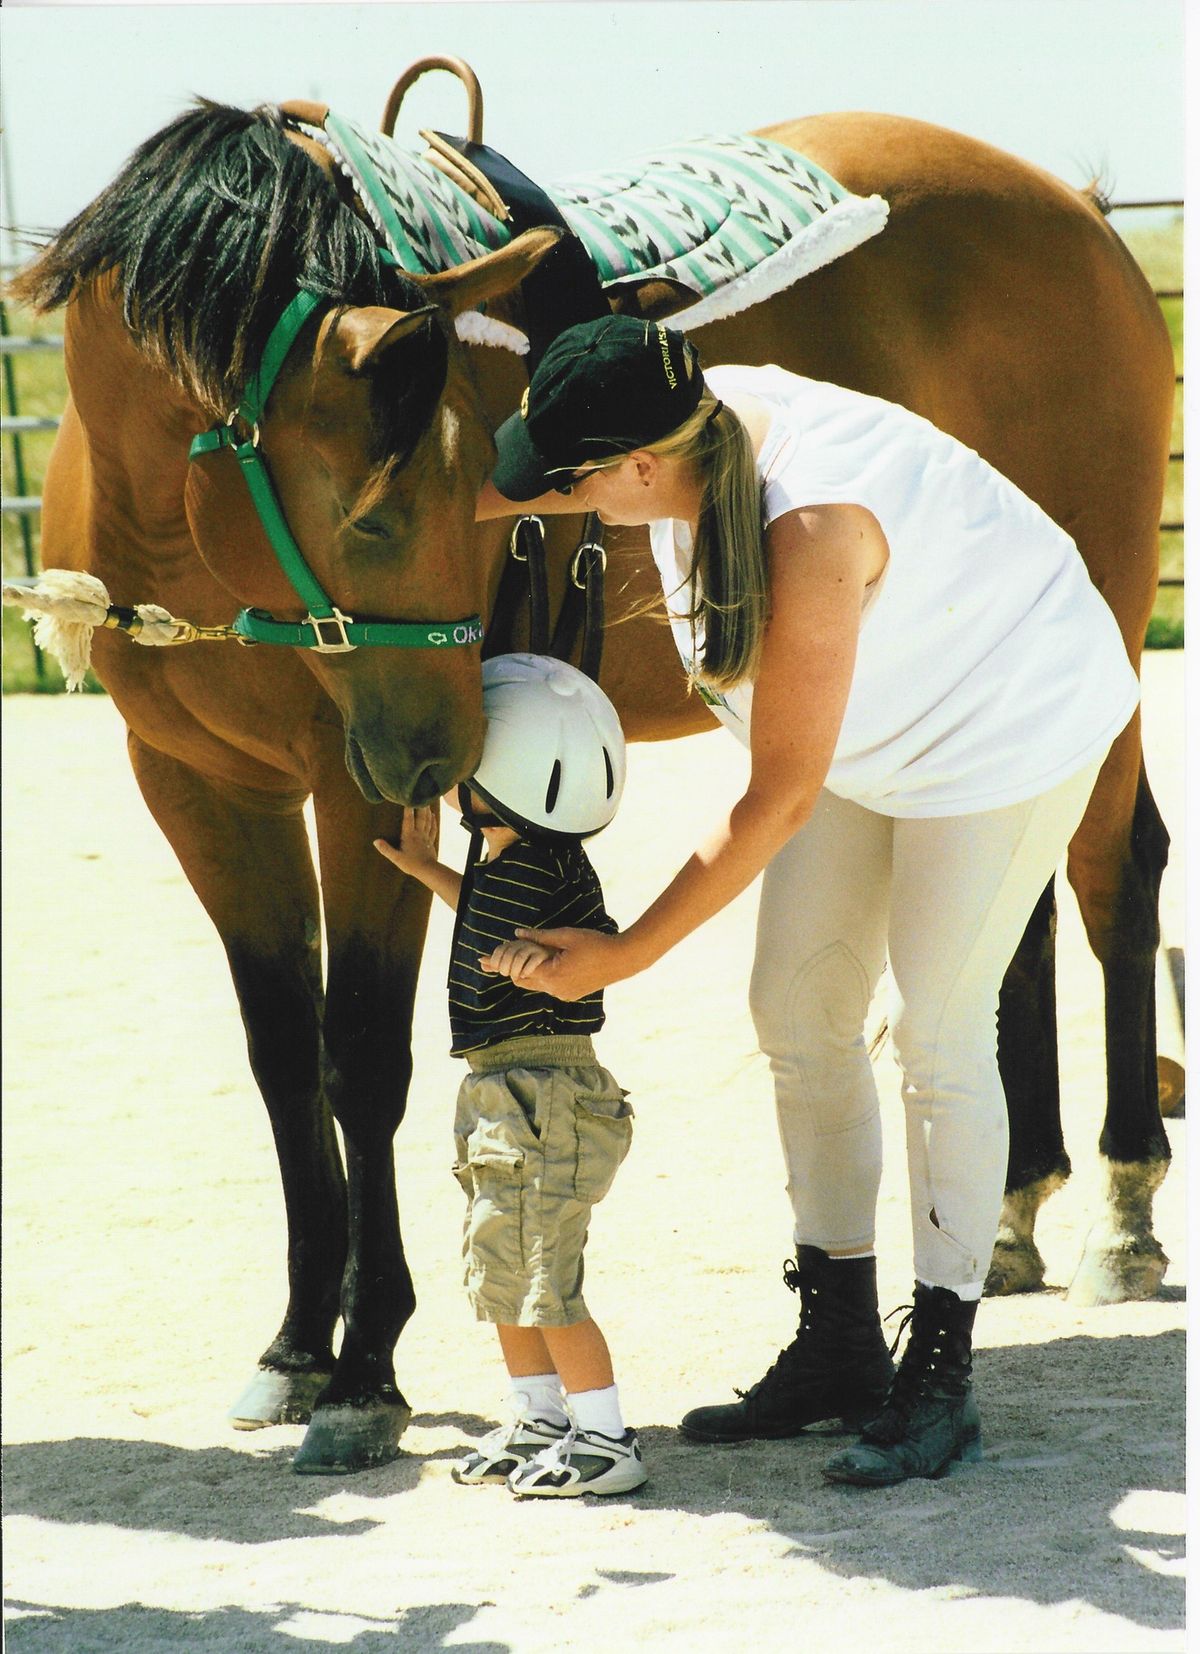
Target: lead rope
(67, 607)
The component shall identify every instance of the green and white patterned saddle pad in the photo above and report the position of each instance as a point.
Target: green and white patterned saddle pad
(735, 218)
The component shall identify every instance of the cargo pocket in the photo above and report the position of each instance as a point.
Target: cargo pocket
(491, 1177)
(604, 1123)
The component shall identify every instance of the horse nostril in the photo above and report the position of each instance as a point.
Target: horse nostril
(390, 769)
(431, 780)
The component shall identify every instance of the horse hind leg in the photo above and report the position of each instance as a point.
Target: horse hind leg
(1028, 1056)
(1116, 872)
(247, 858)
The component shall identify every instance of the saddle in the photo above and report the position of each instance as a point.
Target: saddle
(728, 220)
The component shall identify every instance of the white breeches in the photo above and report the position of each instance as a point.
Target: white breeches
(946, 900)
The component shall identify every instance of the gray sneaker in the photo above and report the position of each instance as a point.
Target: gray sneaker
(504, 1450)
(581, 1461)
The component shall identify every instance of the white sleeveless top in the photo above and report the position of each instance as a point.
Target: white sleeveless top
(989, 668)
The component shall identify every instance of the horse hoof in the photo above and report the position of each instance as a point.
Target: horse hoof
(345, 1439)
(1119, 1273)
(1016, 1266)
(274, 1397)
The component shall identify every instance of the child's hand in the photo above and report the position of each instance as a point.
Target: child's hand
(579, 961)
(417, 849)
(515, 959)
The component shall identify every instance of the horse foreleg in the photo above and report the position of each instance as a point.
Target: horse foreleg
(1115, 866)
(1028, 1053)
(246, 855)
(375, 925)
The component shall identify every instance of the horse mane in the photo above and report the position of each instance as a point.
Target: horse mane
(211, 228)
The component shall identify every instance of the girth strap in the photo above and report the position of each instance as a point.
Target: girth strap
(583, 604)
(582, 610)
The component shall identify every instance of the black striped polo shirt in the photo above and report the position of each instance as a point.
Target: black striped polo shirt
(536, 883)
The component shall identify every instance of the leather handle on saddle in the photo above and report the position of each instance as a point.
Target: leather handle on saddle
(455, 66)
(304, 109)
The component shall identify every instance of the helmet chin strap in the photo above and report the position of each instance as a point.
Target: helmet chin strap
(473, 819)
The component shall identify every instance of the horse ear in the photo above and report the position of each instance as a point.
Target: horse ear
(364, 335)
(650, 300)
(468, 285)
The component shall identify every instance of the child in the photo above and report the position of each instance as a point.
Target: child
(540, 1128)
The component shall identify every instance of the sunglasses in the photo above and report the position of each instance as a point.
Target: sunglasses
(583, 476)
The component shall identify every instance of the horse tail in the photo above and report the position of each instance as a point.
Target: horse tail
(1097, 192)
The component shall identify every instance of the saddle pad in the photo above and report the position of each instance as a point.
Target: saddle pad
(735, 218)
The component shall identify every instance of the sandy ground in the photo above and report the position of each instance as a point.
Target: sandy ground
(144, 1272)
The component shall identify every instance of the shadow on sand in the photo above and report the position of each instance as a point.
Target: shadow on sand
(1071, 1427)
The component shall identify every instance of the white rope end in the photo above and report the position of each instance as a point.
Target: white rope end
(159, 626)
(66, 606)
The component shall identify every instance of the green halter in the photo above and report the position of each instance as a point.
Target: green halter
(325, 628)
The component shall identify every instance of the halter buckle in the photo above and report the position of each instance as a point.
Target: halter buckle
(339, 622)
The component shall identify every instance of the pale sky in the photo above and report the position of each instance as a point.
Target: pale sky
(1078, 86)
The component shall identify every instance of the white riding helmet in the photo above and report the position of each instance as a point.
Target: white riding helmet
(553, 753)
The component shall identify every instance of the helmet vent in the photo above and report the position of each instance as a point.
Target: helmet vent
(609, 779)
(552, 789)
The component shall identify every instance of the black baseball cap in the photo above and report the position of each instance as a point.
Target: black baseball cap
(602, 387)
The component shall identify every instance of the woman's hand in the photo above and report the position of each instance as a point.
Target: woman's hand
(576, 962)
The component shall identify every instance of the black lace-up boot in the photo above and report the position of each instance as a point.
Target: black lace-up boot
(930, 1417)
(836, 1367)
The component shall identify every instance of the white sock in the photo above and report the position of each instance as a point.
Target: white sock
(970, 1294)
(598, 1410)
(539, 1396)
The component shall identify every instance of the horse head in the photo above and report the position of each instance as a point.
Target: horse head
(376, 442)
(367, 431)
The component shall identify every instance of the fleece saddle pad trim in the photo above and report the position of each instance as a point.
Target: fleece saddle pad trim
(734, 218)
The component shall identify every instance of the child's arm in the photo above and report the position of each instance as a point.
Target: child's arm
(416, 854)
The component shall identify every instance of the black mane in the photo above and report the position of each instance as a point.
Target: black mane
(211, 227)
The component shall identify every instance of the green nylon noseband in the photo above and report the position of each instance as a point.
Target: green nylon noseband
(325, 628)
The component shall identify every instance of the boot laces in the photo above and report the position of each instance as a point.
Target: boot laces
(925, 1359)
(801, 1280)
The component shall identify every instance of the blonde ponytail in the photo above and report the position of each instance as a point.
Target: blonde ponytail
(727, 581)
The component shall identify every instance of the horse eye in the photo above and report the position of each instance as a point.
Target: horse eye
(372, 529)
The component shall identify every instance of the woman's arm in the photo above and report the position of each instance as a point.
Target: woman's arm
(821, 560)
(491, 503)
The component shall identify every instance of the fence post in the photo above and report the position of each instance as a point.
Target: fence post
(11, 408)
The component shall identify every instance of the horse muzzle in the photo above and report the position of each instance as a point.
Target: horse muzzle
(398, 774)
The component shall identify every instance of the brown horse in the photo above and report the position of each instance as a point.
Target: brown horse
(998, 303)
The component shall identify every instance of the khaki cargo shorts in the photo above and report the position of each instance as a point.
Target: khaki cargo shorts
(539, 1129)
